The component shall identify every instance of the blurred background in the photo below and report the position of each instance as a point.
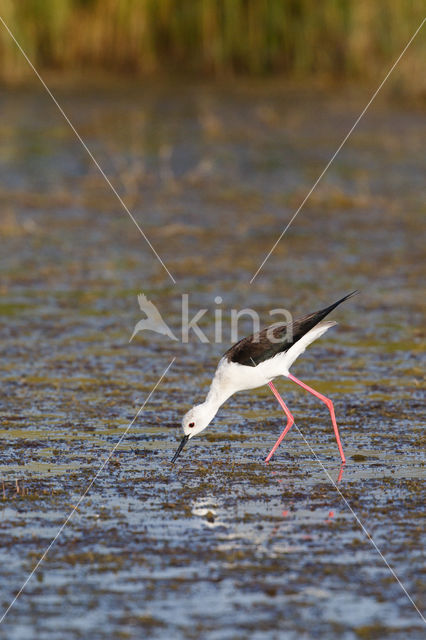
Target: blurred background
(213, 119)
(328, 41)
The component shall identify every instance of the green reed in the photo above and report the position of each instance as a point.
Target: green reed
(294, 38)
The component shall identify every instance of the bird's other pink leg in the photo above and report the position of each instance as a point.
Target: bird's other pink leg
(340, 476)
(290, 421)
(329, 404)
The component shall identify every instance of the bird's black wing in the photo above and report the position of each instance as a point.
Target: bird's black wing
(258, 347)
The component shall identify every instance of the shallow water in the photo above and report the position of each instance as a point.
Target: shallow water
(219, 546)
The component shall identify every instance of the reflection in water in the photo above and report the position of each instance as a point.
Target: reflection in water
(293, 514)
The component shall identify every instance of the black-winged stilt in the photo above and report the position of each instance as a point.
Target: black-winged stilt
(255, 361)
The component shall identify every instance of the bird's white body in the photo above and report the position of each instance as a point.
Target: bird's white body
(231, 377)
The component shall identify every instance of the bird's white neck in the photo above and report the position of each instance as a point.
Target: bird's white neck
(216, 396)
(220, 390)
(200, 416)
(209, 407)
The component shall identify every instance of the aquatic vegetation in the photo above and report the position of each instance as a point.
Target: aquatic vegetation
(300, 39)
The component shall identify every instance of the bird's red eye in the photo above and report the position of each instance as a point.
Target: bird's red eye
(191, 424)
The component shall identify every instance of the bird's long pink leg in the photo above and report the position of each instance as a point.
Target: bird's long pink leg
(290, 421)
(329, 404)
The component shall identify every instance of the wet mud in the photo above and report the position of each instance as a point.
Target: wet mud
(220, 545)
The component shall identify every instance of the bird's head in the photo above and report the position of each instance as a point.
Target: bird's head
(193, 422)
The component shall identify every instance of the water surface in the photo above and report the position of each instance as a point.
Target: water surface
(219, 546)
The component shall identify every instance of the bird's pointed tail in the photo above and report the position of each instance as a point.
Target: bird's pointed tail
(316, 317)
(336, 304)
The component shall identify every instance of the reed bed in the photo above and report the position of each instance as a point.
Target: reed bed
(218, 38)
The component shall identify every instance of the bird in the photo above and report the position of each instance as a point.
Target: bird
(256, 361)
(153, 320)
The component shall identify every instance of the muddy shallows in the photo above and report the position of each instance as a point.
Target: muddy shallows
(219, 546)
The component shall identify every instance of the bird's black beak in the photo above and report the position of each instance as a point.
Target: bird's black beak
(180, 447)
